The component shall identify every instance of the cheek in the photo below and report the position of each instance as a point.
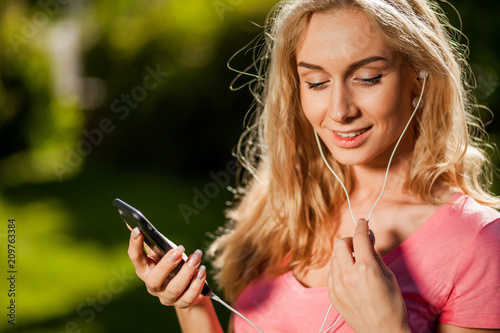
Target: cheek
(389, 106)
(313, 107)
(401, 106)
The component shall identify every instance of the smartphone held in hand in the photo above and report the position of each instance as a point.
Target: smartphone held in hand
(152, 237)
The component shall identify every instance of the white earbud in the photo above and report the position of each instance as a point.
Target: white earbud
(423, 75)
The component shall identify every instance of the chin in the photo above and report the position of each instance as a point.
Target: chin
(351, 157)
(350, 160)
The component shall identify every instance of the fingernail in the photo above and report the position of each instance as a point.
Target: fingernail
(360, 221)
(195, 258)
(181, 248)
(136, 232)
(153, 259)
(372, 236)
(201, 273)
(177, 254)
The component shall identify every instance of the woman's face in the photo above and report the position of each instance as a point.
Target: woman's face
(354, 91)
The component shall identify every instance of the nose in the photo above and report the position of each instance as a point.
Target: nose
(341, 108)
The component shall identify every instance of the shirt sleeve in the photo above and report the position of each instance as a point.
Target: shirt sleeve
(474, 301)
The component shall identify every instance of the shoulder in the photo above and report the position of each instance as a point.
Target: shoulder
(478, 226)
(474, 300)
(448, 243)
(452, 263)
(468, 217)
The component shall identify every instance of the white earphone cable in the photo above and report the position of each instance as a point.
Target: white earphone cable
(218, 299)
(324, 321)
(333, 172)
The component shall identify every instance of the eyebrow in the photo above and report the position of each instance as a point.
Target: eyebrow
(352, 66)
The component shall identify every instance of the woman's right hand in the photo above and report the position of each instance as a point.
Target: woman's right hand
(182, 291)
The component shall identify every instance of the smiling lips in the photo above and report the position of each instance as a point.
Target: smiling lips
(350, 139)
(351, 134)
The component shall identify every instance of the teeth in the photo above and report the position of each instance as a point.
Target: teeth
(351, 134)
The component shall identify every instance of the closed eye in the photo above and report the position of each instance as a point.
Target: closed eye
(371, 81)
(316, 86)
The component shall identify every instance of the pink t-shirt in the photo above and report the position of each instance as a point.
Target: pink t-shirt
(448, 271)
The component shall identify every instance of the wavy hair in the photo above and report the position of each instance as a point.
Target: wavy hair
(289, 194)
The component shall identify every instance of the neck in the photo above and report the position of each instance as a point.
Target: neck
(373, 179)
(368, 182)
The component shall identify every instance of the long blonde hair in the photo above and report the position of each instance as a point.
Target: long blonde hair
(289, 197)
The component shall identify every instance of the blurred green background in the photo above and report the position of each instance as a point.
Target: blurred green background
(104, 99)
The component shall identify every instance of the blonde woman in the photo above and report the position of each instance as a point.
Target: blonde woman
(379, 82)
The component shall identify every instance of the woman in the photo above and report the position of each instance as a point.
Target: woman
(356, 72)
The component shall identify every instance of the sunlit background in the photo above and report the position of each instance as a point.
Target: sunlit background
(130, 99)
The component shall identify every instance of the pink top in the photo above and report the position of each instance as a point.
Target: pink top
(448, 271)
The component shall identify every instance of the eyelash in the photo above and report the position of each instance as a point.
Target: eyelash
(316, 86)
(371, 81)
(366, 82)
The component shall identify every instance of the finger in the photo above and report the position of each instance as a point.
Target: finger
(136, 253)
(180, 282)
(152, 262)
(342, 250)
(337, 283)
(332, 294)
(334, 269)
(362, 244)
(151, 253)
(157, 277)
(152, 256)
(192, 295)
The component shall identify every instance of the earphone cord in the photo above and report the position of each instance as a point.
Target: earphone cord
(218, 299)
(383, 186)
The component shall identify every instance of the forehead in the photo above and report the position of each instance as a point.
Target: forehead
(341, 35)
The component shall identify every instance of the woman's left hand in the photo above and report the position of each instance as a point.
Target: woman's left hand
(362, 288)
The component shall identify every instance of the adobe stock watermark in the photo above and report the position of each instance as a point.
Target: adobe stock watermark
(223, 6)
(48, 9)
(89, 308)
(121, 108)
(202, 197)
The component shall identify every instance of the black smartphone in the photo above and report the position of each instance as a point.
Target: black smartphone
(152, 237)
